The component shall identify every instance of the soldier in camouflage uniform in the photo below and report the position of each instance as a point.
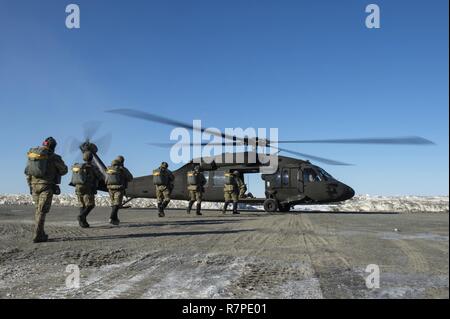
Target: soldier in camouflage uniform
(43, 187)
(118, 177)
(232, 190)
(163, 179)
(196, 182)
(86, 191)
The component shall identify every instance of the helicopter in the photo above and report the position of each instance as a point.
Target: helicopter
(293, 182)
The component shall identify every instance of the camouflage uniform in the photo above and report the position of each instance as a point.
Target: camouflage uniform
(86, 193)
(196, 191)
(231, 192)
(117, 192)
(42, 190)
(163, 191)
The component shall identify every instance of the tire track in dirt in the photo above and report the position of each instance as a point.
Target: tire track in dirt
(416, 260)
(291, 276)
(109, 278)
(337, 279)
(134, 280)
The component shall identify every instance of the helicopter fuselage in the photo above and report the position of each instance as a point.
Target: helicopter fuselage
(294, 182)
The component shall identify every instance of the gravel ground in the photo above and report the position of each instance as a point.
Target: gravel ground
(252, 255)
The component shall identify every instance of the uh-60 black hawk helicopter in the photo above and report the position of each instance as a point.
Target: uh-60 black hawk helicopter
(295, 181)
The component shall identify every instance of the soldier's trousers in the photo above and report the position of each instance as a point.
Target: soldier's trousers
(42, 198)
(116, 196)
(230, 197)
(86, 200)
(195, 196)
(163, 195)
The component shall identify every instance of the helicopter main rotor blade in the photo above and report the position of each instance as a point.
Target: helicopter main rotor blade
(90, 129)
(103, 143)
(194, 144)
(407, 140)
(74, 145)
(315, 158)
(164, 120)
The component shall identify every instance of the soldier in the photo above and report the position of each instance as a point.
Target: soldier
(44, 170)
(232, 189)
(241, 186)
(163, 180)
(196, 182)
(85, 178)
(117, 179)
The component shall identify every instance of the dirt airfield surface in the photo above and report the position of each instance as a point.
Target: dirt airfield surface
(252, 255)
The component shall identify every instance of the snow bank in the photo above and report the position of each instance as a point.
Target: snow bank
(100, 200)
(360, 203)
(401, 204)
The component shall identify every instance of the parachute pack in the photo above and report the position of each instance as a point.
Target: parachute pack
(193, 178)
(37, 162)
(79, 175)
(159, 178)
(114, 176)
(229, 179)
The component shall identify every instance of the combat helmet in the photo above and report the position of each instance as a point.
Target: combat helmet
(164, 165)
(120, 159)
(50, 143)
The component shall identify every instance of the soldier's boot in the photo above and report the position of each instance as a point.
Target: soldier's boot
(86, 213)
(161, 210)
(199, 208)
(82, 218)
(235, 211)
(225, 205)
(163, 206)
(40, 236)
(114, 219)
(188, 210)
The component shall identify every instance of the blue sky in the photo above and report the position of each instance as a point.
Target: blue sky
(310, 68)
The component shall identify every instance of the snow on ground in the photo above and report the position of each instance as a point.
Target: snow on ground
(360, 203)
(368, 203)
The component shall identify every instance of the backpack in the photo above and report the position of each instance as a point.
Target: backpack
(114, 176)
(229, 179)
(79, 174)
(160, 178)
(193, 178)
(37, 162)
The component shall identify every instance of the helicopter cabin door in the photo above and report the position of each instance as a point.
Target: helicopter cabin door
(283, 183)
(315, 185)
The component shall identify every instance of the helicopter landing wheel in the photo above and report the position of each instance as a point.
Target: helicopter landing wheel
(270, 205)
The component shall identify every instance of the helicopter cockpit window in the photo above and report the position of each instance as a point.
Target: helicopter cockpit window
(326, 175)
(310, 176)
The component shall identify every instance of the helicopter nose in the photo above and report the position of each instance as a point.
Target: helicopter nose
(348, 193)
